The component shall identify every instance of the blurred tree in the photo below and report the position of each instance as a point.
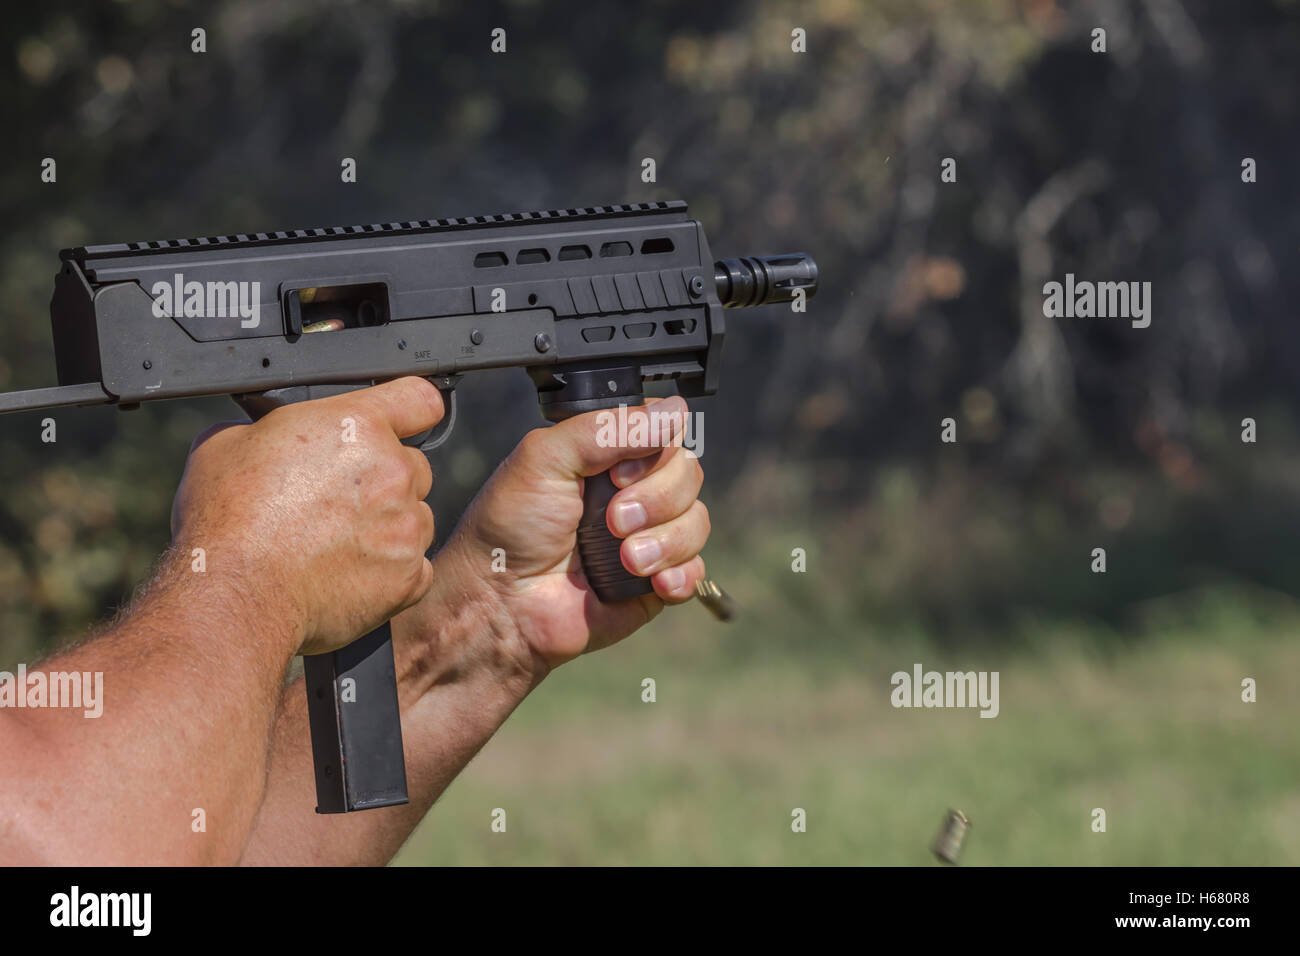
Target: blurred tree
(1124, 165)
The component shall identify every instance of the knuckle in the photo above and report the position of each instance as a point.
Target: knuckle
(408, 531)
(416, 521)
(393, 476)
(200, 454)
(532, 444)
(423, 469)
(365, 410)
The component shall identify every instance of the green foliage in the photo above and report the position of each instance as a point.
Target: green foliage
(926, 309)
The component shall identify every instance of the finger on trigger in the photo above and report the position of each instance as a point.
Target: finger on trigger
(409, 405)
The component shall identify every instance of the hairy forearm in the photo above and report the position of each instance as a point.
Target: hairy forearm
(174, 768)
(460, 674)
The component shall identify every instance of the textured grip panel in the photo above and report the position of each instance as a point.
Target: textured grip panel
(599, 549)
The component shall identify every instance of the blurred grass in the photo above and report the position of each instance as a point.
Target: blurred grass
(762, 717)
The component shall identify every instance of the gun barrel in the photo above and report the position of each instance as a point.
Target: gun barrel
(760, 280)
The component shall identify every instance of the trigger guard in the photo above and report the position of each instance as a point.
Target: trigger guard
(440, 432)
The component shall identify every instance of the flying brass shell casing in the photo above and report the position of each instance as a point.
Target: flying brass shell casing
(325, 325)
(948, 842)
(718, 601)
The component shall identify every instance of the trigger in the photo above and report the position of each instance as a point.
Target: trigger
(439, 433)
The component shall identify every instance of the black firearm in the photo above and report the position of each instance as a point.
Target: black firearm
(591, 302)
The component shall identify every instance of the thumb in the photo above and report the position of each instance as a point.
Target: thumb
(591, 443)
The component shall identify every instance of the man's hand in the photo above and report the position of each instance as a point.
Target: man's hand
(319, 508)
(530, 509)
(480, 640)
(311, 541)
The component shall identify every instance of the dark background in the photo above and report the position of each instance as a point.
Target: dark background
(1073, 433)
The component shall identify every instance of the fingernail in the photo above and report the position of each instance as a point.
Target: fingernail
(645, 552)
(628, 471)
(629, 516)
(673, 580)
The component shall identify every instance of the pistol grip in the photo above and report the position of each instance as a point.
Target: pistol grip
(352, 712)
(356, 727)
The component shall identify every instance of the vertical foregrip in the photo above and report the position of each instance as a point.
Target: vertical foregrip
(566, 391)
(599, 548)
